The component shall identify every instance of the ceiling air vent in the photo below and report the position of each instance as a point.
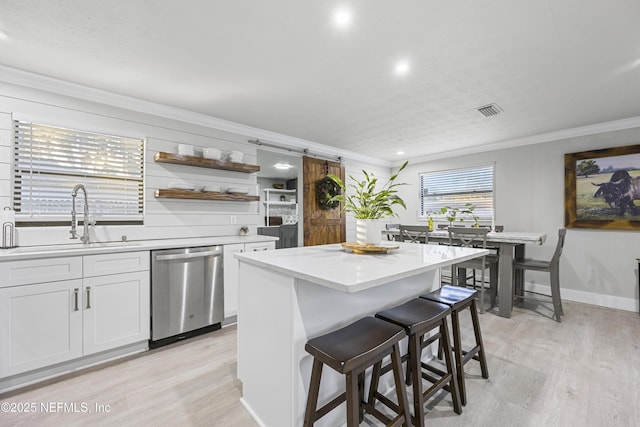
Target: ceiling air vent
(490, 110)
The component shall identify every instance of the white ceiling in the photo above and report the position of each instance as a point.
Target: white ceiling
(266, 159)
(283, 66)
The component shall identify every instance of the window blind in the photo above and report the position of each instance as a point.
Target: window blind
(455, 188)
(49, 161)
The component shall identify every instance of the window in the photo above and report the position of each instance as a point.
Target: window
(49, 161)
(456, 187)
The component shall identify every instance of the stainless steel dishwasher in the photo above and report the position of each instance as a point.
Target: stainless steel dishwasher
(187, 293)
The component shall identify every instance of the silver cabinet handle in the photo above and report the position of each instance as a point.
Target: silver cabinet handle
(75, 296)
(188, 256)
(260, 249)
(88, 297)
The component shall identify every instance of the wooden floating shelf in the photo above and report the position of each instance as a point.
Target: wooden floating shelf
(204, 195)
(179, 159)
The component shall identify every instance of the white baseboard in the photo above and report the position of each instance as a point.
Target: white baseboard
(50, 372)
(610, 301)
(252, 413)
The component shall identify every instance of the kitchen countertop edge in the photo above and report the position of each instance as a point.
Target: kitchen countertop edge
(54, 251)
(306, 270)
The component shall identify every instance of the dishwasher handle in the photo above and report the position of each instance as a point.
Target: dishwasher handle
(217, 252)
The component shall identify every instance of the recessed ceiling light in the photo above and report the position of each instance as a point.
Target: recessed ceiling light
(402, 67)
(342, 17)
(282, 166)
(400, 153)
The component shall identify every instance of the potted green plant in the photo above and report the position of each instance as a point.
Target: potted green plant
(451, 213)
(469, 209)
(369, 204)
(457, 213)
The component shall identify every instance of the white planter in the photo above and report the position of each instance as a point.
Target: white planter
(368, 231)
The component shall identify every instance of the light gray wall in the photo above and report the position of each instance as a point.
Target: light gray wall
(597, 266)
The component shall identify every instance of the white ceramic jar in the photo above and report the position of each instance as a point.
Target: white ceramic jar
(212, 153)
(186, 150)
(236, 156)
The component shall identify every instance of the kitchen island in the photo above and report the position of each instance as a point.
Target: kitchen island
(291, 295)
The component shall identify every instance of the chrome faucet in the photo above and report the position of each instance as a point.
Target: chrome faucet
(74, 221)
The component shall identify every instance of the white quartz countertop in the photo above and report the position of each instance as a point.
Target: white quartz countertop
(334, 267)
(51, 251)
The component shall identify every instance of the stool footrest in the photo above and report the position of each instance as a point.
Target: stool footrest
(470, 354)
(324, 410)
(426, 342)
(436, 384)
(397, 421)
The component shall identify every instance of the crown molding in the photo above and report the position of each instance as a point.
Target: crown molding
(40, 82)
(61, 87)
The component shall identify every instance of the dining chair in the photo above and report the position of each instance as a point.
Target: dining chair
(392, 227)
(475, 237)
(552, 267)
(414, 233)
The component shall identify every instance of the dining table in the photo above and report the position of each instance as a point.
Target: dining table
(510, 246)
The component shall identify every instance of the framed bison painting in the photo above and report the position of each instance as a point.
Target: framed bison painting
(602, 188)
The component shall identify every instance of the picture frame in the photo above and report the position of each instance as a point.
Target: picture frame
(601, 187)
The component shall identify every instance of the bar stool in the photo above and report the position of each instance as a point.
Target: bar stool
(349, 351)
(459, 298)
(419, 317)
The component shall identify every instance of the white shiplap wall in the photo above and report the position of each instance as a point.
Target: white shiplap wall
(164, 218)
(5, 160)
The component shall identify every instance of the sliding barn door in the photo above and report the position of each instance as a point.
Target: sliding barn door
(321, 226)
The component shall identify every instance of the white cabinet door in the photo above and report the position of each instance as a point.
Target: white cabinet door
(231, 267)
(115, 310)
(40, 325)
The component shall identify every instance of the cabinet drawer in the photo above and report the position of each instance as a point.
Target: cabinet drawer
(122, 262)
(32, 271)
(259, 246)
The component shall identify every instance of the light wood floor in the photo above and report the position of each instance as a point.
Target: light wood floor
(584, 371)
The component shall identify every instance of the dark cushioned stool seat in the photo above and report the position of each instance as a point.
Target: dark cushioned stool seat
(350, 350)
(459, 298)
(419, 317)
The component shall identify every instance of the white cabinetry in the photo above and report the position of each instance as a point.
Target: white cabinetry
(41, 325)
(231, 267)
(50, 313)
(115, 300)
(282, 204)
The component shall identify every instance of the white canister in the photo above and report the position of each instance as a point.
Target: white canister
(368, 231)
(236, 156)
(186, 150)
(212, 153)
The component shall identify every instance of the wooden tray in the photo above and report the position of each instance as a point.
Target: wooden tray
(367, 248)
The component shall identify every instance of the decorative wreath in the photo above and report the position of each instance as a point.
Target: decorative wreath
(325, 189)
